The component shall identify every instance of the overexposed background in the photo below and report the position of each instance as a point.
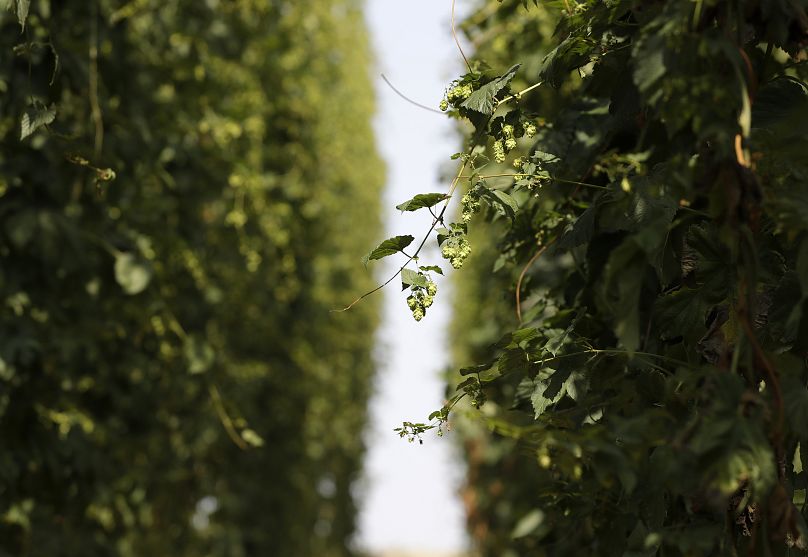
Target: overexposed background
(410, 501)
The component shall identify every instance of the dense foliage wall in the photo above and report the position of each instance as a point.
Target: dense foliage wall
(185, 188)
(637, 313)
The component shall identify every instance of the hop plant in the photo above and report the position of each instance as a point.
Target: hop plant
(529, 128)
(459, 93)
(444, 105)
(456, 249)
(499, 151)
(471, 204)
(421, 298)
(507, 131)
(510, 144)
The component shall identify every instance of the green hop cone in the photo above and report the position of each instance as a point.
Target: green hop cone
(499, 151)
(510, 144)
(529, 128)
(444, 105)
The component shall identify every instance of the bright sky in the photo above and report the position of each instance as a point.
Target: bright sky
(410, 499)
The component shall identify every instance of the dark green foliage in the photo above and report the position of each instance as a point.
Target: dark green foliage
(178, 213)
(652, 398)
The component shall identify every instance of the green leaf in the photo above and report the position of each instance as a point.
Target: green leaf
(501, 201)
(410, 278)
(572, 53)
(542, 398)
(35, 119)
(513, 361)
(422, 200)
(680, 313)
(579, 232)
(624, 274)
(482, 100)
(433, 268)
(778, 102)
(474, 369)
(133, 273)
(389, 247)
(650, 63)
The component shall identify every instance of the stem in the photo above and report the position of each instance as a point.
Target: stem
(409, 100)
(519, 94)
(225, 419)
(533, 259)
(514, 175)
(435, 222)
(457, 41)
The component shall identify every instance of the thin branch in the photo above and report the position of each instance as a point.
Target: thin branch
(519, 175)
(225, 419)
(518, 94)
(409, 100)
(435, 222)
(457, 41)
(522, 276)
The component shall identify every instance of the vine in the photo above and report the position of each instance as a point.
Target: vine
(652, 248)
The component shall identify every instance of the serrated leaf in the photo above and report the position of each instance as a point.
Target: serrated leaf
(132, 273)
(542, 398)
(421, 201)
(501, 202)
(778, 102)
(572, 53)
(515, 338)
(474, 369)
(35, 119)
(624, 273)
(482, 100)
(680, 313)
(410, 278)
(513, 361)
(556, 341)
(388, 247)
(579, 232)
(650, 64)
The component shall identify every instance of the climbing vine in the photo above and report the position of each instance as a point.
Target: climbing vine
(634, 213)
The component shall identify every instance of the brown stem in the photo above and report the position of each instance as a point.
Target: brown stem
(533, 259)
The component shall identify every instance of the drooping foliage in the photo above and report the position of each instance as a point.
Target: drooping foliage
(185, 188)
(633, 320)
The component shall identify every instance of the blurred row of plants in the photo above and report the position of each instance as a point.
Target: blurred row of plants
(185, 189)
